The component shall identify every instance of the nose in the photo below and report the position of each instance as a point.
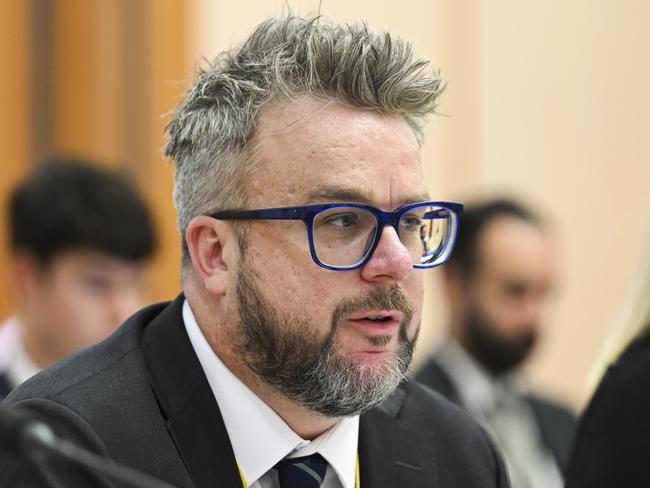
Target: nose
(390, 261)
(534, 310)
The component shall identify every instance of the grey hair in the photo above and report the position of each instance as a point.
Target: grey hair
(208, 137)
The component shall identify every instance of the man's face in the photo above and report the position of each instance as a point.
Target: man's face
(307, 331)
(79, 298)
(507, 295)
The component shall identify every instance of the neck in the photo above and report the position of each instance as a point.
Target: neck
(39, 353)
(455, 330)
(304, 422)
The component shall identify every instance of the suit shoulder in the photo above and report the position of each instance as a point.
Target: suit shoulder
(430, 369)
(631, 370)
(623, 391)
(613, 435)
(433, 375)
(430, 409)
(550, 407)
(91, 365)
(461, 450)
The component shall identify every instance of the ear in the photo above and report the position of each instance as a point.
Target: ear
(210, 243)
(25, 272)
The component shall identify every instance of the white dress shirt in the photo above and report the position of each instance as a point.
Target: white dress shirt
(9, 337)
(259, 437)
(14, 360)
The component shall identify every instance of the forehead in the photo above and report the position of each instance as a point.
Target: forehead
(83, 260)
(313, 150)
(515, 249)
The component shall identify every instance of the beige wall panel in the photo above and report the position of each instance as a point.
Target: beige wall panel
(169, 73)
(88, 78)
(117, 67)
(565, 117)
(547, 101)
(14, 122)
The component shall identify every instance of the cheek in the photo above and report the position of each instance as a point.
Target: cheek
(280, 242)
(287, 277)
(76, 307)
(414, 289)
(85, 317)
(282, 264)
(306, 295)
(501, 314)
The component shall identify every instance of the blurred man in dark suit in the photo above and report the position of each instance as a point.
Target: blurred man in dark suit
(498, 283)
(301, 203)
(79, 238)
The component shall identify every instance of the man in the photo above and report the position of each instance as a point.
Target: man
(79, 238)
(498, 283)
(280, 363)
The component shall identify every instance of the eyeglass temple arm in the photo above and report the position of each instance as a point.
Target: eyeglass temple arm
(289, 213)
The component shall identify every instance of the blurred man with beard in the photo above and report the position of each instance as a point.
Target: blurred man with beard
(498, 283)
(301, 203)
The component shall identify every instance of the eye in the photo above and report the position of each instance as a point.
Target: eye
(410, 222)
(342, 220)
(96, 283)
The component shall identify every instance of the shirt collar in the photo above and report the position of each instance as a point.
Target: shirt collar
(259, 437)
(21, 366)
(9, 337)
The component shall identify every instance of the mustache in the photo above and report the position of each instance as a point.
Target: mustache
(385, 298)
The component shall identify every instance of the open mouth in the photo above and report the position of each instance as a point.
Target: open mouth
(377, 319)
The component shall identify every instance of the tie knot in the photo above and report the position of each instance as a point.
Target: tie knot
(302, 472)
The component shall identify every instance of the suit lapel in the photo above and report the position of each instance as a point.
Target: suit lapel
(187, 402)
(391, 453)
(434, 376)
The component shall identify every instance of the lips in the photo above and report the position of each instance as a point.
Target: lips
(378, 321)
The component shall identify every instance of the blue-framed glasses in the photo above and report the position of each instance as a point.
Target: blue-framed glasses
(343, 236)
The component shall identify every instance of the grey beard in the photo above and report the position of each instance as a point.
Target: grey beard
(285, 352)
(336, 387)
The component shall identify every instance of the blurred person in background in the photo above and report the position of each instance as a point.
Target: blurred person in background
(612, 445)
(79, 238)
(498, 283)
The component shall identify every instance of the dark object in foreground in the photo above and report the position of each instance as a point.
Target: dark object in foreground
(613, 440)
(26, 437)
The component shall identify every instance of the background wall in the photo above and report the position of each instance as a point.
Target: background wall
(546, 101)
(93, 78)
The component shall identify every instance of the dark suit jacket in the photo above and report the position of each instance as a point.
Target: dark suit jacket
(612, 446)
(141, 398)
(5, 386)
(556, 424)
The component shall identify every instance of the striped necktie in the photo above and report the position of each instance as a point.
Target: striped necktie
(302, 472)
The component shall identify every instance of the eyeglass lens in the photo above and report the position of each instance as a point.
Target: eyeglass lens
(344, 235)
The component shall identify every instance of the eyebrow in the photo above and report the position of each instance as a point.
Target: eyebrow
(356, 195)
(343, 194)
